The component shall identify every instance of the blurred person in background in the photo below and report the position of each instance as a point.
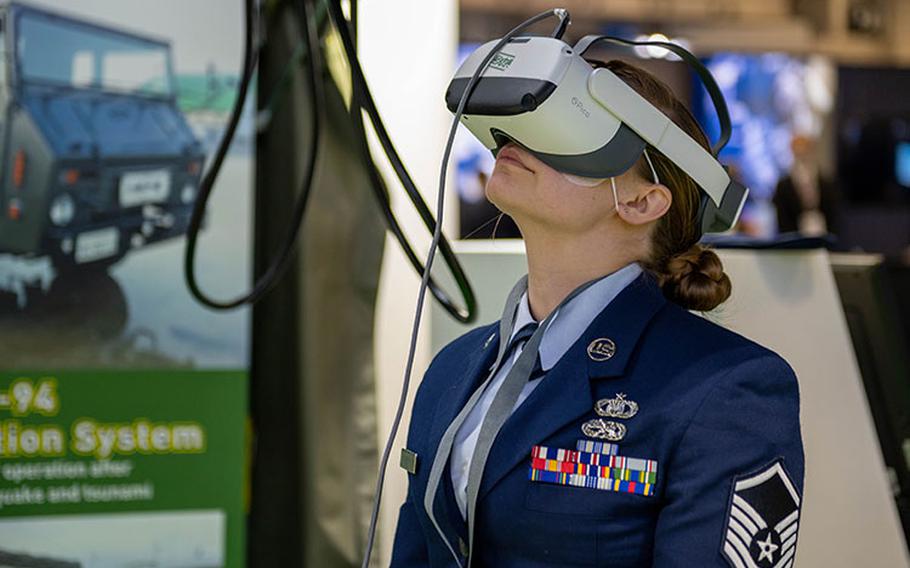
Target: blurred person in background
(807, 201)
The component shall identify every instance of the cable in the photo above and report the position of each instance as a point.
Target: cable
(377, 184)
(563, 24)
(280, 265)
(282, 260)
(468, 313)
(300, 56)
(437, 239)
(380, 191)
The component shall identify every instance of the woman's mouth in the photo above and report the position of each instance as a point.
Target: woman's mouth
(509, 155)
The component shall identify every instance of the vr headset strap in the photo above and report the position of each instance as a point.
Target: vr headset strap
(656, 128)
(720, 105)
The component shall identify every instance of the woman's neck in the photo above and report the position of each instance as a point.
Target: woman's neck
(558, 264)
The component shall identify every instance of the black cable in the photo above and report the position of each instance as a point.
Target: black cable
(335, 10)
(282, 260)
(300, 56)
(717, 97)
(468, 313)
(275, 270)
(380, 192)
(354, 21)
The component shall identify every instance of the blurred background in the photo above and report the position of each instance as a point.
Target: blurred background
(816, 91)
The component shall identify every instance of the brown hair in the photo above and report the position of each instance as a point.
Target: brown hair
(689, 273)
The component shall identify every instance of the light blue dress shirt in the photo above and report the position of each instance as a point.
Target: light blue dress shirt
(564, 330)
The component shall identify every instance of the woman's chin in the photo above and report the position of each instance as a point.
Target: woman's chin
(503, 192)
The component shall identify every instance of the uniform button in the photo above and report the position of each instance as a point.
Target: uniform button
(462, 547)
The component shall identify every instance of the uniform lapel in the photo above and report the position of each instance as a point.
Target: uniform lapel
(463, 384)
(564, 394)
(476, 369)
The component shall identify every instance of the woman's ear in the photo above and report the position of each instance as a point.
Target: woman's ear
(649, 203)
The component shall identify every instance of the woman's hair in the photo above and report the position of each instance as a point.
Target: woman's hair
(689, 274)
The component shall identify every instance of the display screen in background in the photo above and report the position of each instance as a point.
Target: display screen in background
(902, 163)
(768, 101)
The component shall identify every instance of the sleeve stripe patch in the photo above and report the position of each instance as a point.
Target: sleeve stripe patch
(764, 476)
(740, 530)
(741, 549)
(762, 520)
(733, 556)
(784, 535)
(786, 559)
(788, 544)
(736, 513)
(788, 520)
(748, 510)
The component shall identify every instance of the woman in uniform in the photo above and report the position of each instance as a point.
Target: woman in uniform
(600, 422)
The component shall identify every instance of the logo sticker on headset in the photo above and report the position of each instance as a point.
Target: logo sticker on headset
(502, 61)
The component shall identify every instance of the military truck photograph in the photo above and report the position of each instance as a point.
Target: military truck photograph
(97, 158)
(108, 114)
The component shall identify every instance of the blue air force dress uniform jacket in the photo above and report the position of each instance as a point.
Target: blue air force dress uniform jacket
(658, 439)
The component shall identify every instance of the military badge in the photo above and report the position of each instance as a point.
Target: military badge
(762, 520)
(604, 429)
(617, 407)
(601, 349)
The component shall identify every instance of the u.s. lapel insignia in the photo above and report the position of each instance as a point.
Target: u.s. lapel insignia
(617, 407)
(762, 519)
(601, 349)
(604, 429)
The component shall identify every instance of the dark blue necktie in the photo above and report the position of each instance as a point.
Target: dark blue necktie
(523, 335)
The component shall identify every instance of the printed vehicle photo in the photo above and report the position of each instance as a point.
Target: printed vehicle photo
(109, 111)
(96, 158)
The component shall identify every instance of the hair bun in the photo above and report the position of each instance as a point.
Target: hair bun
(695, 279)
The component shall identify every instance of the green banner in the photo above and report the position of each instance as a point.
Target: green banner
(122, 468)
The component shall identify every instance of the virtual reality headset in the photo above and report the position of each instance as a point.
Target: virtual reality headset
(541, 94)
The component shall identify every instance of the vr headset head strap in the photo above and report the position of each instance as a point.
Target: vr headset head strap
(720, 105)
(711, 217)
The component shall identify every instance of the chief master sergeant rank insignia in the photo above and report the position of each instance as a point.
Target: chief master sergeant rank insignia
(762, 520)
